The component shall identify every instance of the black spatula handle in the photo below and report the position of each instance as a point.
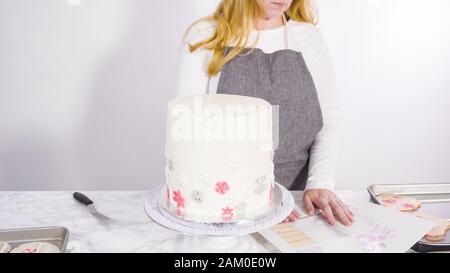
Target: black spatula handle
(83, 199)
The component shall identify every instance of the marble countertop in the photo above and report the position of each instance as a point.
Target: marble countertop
(132, 231)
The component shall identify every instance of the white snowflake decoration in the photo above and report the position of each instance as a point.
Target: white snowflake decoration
(229, 166)
(204, 179)
(170, 165)
(240, 209)
(261, 185)
(197, 196)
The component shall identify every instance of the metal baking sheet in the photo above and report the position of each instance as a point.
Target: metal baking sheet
(435, 200)
(53, 235)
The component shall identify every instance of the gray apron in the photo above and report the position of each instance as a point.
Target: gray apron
(281, 78)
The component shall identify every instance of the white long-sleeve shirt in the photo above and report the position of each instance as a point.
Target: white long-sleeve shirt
(303, 37)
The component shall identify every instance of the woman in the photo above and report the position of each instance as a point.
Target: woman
(273, 50)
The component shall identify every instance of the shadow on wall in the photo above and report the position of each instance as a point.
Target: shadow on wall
(26, 160)
(122, 142)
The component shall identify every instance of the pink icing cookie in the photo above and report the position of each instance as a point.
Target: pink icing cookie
(37, 247)
(401, 203)
(439, 232)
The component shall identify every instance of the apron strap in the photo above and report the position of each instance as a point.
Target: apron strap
(286, 31)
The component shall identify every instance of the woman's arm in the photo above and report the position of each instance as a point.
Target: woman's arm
(324, 149)
(321, 179)
(192, 75)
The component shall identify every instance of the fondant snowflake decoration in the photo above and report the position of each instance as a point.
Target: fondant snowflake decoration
(178, 199)
(227, 214)
(30, 250)
(179, 213)
(204, 179)
(260, 187)
(229, 165)
(222, 187)
(240, 209)
(170, 165)
(182, 179)
(197, 196)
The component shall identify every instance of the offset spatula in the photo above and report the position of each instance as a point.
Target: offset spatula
(83, 199)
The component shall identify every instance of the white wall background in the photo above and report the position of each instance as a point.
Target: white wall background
(84, 87)
(392, 60)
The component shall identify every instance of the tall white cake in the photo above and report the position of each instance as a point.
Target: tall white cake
(219, 158)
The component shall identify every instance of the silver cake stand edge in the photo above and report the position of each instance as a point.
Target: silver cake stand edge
(226, 237)
(281, 210)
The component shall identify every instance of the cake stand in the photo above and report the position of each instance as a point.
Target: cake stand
(219, 237)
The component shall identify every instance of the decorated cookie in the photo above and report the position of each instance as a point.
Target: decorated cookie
(439, 232)
(401, 203)
(4, 247)
(37, 247)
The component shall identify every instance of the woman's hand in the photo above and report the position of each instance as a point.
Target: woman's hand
(330, 205)
(294, 216)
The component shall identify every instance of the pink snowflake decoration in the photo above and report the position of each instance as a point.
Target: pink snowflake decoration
(30, 250)
(222, 187)
(389, 201)
(227, 214)
(179, 213)
(408, 206)
(270, 194)
(178, 199)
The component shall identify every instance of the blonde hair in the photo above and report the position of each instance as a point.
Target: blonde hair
(234, 22)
